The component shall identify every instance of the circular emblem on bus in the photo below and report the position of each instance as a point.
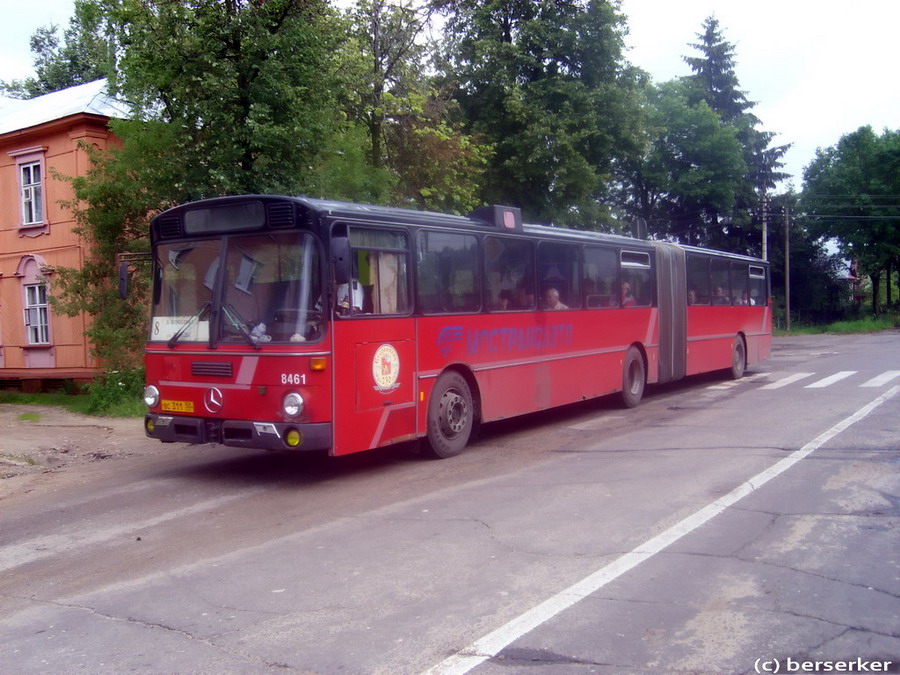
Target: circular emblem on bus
(385, 368)
(213, 400)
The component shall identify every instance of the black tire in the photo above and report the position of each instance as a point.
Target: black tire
(634, 376)
(738, 358)
(451, 417)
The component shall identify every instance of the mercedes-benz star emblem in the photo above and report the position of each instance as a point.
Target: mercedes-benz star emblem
(212, 399)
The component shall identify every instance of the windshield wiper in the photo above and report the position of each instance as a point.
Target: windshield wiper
(235, 318)
(198, 315)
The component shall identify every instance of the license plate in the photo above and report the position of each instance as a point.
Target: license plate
(178, 406)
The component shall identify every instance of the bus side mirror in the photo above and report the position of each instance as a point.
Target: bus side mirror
(123, 280)
(340, 259)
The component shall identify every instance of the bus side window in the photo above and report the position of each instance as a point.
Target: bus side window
(637, 279)
(600, 273)
(740, 293)
(698, 279)
(558, 269)
(758, 286)
(719, 281)
(381, 268)
(447, 273)
(509, 273)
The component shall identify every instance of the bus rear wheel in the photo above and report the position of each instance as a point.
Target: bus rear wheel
(633, 378)
(451, 416)
(738, 358)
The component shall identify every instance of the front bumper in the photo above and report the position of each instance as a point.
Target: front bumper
(237, 433)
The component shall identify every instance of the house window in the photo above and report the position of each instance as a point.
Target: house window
(32, 193)
(37, 317)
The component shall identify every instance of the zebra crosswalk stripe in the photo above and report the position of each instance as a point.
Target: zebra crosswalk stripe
(790, 379)
(882, 379)
(831, 379)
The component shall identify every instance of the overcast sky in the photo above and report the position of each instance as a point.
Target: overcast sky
(816, 70)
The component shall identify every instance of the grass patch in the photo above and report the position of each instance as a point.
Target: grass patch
(29, 417)
(115, 394)
(870, 324)
(76, 403)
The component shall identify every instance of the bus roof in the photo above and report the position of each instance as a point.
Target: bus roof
(476, 221)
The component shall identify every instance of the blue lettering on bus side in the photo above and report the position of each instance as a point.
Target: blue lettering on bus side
(447, 337)
(505, 340)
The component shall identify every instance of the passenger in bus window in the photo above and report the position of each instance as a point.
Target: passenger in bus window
(627, 298)
(524, 297)
(344, 296)
(692, 297)
(720, 297)
(505, 300)
(745, 299)
(552, 301)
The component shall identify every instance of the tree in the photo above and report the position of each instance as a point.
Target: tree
(544, 83)
(232, 97)
(83, 56)
(690, 171)
(715, 81)
(851, 192)
(422, 155)
(818, 286)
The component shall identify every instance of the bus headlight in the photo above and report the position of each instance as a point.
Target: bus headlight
(151, 396)
(292, 405)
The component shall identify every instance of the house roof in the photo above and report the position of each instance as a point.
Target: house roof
(90, 98)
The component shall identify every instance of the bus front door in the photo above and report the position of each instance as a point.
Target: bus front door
(374, 371)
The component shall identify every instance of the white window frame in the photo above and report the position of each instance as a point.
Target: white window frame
(30, 174)
(31, 178)
(37, 314)
(32, 184)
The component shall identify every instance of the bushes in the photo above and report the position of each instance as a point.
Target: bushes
(118, 393)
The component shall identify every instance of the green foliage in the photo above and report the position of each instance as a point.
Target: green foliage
(245, 88)
(546, 86)
(73, 403)
(232, 97)
(525, 103)
(114, 394)
(30, 417)
(704, 159)
(870, 324)
(692, 170)
(117, 394)
(417, 154)
(850, 194)
(111, 209)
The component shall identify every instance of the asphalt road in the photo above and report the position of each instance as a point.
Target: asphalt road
(720, 527)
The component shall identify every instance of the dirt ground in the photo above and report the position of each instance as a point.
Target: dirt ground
(40, 439)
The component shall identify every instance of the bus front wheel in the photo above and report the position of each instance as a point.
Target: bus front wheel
(738, 358)
(633, 378)
(451, 416)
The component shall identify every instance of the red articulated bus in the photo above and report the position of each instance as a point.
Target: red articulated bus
(295, 323)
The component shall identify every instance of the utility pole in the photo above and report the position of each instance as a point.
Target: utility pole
(787, 268)
(765, 225)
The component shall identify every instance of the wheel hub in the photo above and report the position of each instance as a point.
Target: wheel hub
(454, 413)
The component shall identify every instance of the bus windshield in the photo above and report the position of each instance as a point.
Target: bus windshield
(268, 290)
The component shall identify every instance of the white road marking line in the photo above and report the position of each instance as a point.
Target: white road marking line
(882, 379)
(493, 643)
(785, 381)
(828, 381)
(736, 383)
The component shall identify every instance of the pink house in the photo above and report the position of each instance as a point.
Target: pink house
(39, 137)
